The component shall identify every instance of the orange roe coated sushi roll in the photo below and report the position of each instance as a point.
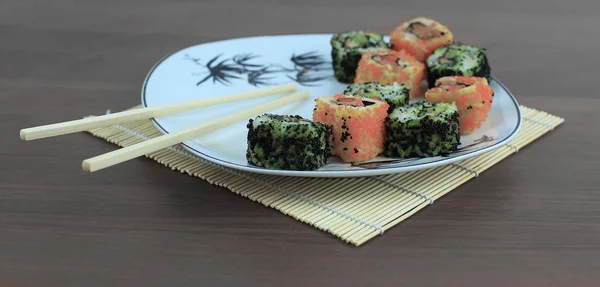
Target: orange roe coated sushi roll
(420, 37)
(388, 67)
(358, 125)
(473, 97)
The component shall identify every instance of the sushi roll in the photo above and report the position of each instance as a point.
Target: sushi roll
(457, 60)
(346, 49)
(420, 36)
(395, 95)
(473, 97)
(287, 143)
(358, 131)
(388, 67)
(422, 129)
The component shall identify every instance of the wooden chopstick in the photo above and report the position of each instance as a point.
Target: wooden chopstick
(144, 113)
(134, 151)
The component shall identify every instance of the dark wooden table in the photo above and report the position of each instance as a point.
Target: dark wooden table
(532, 220)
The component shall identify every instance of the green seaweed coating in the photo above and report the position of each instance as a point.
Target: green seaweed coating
(457, 59)
(422, 129)
(287, 143)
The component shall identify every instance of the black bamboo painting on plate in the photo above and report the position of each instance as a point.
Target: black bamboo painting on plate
(306, 69)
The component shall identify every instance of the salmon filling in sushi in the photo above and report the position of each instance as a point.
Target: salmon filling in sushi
(473, 97)
(388, 67)
(357, 125)
(420, 37)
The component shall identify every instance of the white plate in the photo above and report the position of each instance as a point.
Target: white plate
(237, 65)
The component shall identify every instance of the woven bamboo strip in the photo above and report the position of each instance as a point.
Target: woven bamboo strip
(353, 209)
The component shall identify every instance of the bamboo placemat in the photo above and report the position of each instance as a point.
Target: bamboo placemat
(353, 209)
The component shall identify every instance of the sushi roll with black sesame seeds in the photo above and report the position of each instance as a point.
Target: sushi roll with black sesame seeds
(420, 36)
(422, 129)
(396, 95)
(347, 48)
(457, 59)
(389, 66)
(287, 143)
(473, 97)
(358, 131)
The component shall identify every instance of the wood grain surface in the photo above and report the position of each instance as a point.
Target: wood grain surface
(532, 220)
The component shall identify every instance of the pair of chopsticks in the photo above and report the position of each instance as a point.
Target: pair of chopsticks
(158, 143)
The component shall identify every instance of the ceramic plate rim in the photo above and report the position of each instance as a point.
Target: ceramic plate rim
(332, 173)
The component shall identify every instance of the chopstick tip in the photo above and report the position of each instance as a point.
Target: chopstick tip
(86, 166)
(23, 135)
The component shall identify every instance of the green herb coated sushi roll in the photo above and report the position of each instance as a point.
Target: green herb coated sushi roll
(422, 130)
(457, 59)
(287, 143)
(347, 48)
(395, 95)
